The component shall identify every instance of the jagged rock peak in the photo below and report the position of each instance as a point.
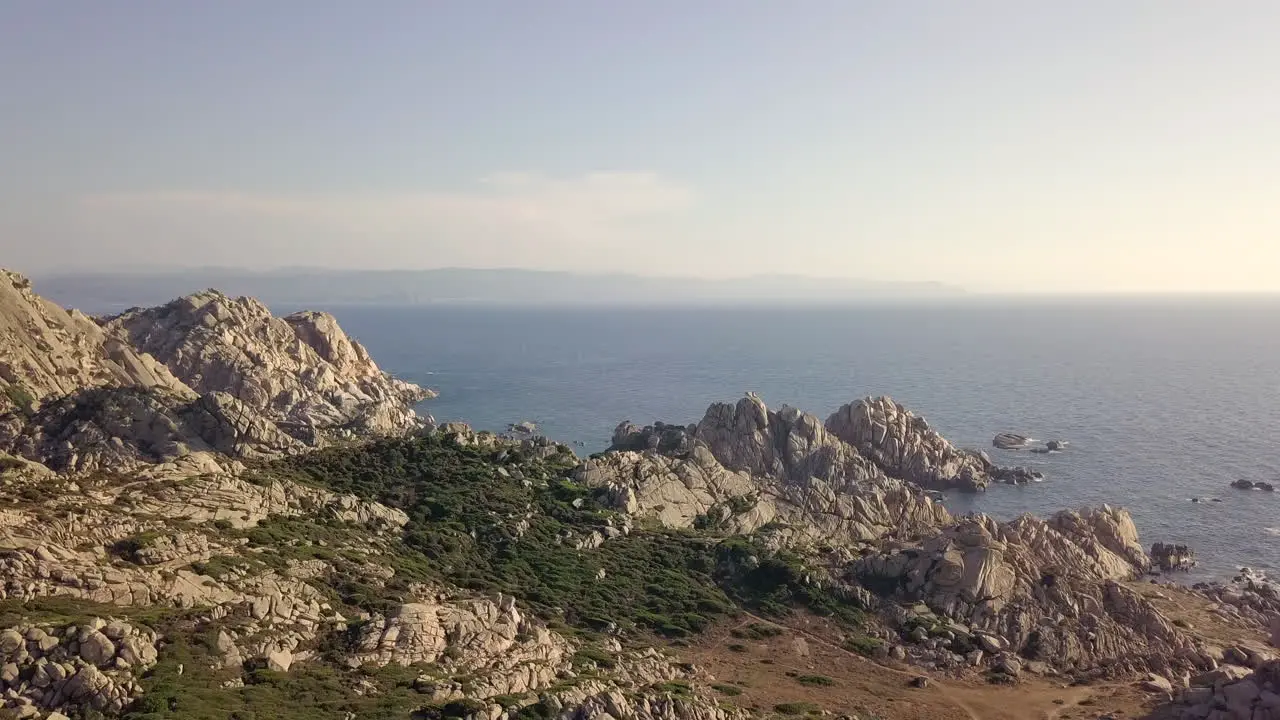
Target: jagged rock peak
(202, 373)
(301, 371)
(864, 439)
(49, 352)
(903, 444)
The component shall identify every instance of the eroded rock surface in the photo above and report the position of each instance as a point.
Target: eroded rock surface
(301, 372)
(47, 351)
(204, 373)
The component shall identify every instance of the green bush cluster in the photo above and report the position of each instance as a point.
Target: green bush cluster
(490, 522)
(21, 397)
(798, 708)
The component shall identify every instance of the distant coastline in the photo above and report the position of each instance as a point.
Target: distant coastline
(459, 286)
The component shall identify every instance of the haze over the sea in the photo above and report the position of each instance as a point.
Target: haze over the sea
(997, 146)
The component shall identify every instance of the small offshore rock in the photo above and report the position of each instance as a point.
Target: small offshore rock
(1010, 441)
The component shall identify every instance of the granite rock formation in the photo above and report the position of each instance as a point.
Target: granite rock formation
(204, 373)
(49, 352)
(301, 372)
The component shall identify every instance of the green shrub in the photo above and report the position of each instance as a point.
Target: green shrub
(591, 655)
(679, 688)
(863, 645)
(757, 631)
(21, 398)
(728, 690)
(798, 708)
(815, 680)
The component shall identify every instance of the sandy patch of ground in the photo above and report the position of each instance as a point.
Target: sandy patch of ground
(798, 664)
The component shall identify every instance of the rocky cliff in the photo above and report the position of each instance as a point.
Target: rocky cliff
(301, 372)
(866, 440)
(49, 352)
(204, 373)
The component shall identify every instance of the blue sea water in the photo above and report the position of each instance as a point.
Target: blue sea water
(1162, 400)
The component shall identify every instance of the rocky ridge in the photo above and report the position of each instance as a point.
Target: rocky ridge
(205, 373)
(301, 372)
(1050, 594)
(49, 352)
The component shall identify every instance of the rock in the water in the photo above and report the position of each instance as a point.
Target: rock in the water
(1171, 557)
(1016, 475)
(522, 428)
(1010, 441)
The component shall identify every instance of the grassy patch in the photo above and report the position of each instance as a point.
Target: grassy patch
(70, 611)
(757, 631)
(798, 708)
(472, 526)
(727, 690)
(679, 688)
(863, 645)
(20, 397)
(815, 680)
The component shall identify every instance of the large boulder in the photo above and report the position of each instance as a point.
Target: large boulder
(505, 652)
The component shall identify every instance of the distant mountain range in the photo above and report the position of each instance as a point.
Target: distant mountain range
(109, 291)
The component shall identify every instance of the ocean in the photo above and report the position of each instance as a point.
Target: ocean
(1162, 400)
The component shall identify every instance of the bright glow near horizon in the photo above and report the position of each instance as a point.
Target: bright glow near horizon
(995, 145)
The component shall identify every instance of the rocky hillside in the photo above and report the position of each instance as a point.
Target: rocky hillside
(301, 372)
(49, 352)
(210, 513)
(205, 373)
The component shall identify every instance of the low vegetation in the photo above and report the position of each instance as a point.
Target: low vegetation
(479, 520)
(514, 525)
(798, 708)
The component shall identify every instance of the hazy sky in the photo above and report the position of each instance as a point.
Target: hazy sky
(1011, 145)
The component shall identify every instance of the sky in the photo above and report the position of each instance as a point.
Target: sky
(997, 145)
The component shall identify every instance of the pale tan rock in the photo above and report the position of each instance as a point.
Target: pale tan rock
(301, 372)
(46, 351)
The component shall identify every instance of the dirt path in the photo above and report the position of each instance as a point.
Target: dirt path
(770, 669)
